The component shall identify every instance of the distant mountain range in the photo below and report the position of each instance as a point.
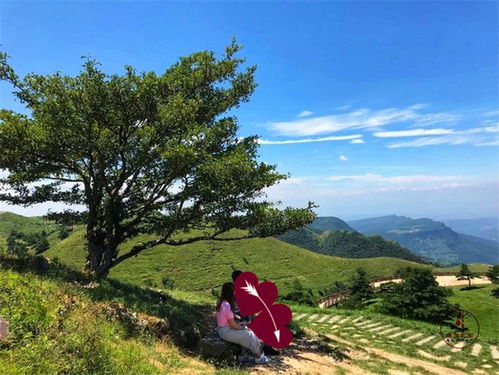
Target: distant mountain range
(431, 239)
(484, 227)
(333, 236)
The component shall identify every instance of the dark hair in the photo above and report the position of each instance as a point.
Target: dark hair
(227, 295)
(236, 274)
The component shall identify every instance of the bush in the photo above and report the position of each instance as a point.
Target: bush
(419, 297)
(361, 289)
(299, 294)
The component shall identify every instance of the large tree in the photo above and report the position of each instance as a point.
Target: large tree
(144, 153)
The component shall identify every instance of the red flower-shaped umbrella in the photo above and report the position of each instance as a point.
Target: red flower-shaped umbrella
(254, 298)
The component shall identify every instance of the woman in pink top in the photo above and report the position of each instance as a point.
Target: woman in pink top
(230, 331)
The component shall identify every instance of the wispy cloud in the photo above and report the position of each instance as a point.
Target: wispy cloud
(357, 141)
(343, 107)
(413, 133)
(343, 158)
(359, 119)
(402, 179)
(460, 138)
(309, 140)
(304, 113)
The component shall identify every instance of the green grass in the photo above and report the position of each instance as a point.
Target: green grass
(409, 349)
(483, 305)
(57, 327)
(28, 225)
(204, 265)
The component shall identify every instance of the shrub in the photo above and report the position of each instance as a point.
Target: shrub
(299, 294)
(419, 297)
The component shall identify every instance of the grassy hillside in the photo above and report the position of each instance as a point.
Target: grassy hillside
(58, 327)
(203, 265)
(347, 243)
(27, 225)
(483, 305)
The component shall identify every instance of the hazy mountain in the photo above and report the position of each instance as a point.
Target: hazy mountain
(333, 236)
(431, 239)
(484, 227)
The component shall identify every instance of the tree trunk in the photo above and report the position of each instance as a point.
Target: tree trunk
(469, 282)
(99, 258)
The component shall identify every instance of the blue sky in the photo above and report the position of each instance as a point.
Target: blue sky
(374, 108)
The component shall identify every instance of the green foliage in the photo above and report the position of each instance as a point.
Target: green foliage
(466, 274)
(418, 296)
(300, 295)
(15, 246)
(63, 232)
(346, 243)
(138, 147)
(493, 274)
(361, 290)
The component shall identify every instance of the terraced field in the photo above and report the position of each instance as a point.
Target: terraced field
(387, 345)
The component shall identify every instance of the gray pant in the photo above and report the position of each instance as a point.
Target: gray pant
(243, 337)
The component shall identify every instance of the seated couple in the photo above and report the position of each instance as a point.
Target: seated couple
(237, 332)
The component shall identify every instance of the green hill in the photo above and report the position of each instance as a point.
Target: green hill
(332, 236)
(329, 223)
(203, 265)
(28, 225)
(431, 239)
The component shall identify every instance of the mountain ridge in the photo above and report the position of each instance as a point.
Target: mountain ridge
(431, 239)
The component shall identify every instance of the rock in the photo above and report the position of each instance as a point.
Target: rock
(4, 329)
(212, 346)
(138, 322)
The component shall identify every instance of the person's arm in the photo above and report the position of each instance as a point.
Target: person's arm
(234, 325)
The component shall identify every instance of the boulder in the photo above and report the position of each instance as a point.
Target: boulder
(212, 346)
(4, 329)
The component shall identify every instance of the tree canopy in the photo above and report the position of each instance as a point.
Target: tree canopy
(143, 153)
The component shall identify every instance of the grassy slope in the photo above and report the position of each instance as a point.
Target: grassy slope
(480, 303)
(203, 265)
(27, 225)
(58, 327)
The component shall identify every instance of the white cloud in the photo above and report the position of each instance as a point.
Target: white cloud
(343, 107)
(304, 113)
(357, 141)
(413, 133)
(451, 139)
(309, 140)
(358, 119)
(343, 158)
(402, 179)
(495, 142)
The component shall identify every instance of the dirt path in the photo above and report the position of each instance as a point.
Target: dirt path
(444, 281)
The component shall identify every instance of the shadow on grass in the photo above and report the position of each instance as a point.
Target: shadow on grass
(471, 287)
(186, 318)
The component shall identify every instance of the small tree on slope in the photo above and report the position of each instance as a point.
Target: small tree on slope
(466, 274)
(144, 153)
